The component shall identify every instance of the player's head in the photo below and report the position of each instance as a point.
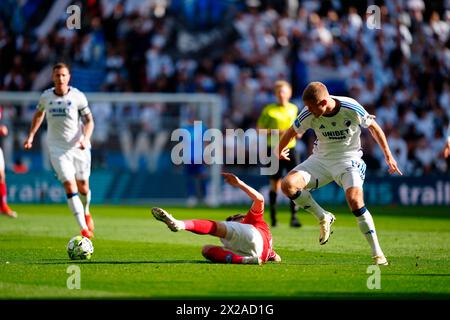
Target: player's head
(61, 74)
(315, 97)
(283, 91)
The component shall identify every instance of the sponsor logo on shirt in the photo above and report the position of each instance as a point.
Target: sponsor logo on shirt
(337, 134)
(58, 112)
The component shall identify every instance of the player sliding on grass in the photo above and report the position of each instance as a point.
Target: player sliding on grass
(336, 156)
(65, 108)
(246, 238)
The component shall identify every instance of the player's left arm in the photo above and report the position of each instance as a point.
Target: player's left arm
(379, 136)
(258, 198)
(87, 119)
(88, 129)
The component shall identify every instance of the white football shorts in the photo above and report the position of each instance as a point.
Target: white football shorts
(2, 160)
(318, 172)
(71, 164)
(243, 239)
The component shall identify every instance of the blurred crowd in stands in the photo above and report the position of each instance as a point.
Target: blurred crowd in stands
(399, 71)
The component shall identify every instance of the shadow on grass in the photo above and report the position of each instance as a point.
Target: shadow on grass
(65, 261)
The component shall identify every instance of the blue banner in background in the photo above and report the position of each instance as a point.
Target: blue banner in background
(112, 187)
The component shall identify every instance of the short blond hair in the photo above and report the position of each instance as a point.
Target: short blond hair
(60, 65)
(282, 83)
(315, 92)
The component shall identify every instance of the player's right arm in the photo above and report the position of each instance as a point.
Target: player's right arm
(296, 130)
(258, 198)
(281, 150)
(38, 117)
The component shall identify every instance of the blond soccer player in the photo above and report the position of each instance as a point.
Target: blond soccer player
(337, 156)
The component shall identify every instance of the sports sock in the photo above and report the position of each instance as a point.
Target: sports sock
(293, 208)
(3, 197)
(272, 204)
(304, 199)
(86, 201)
(200, 226)
(367, 227)
(217, 254)
(75, 205)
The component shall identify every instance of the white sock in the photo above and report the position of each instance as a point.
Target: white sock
(86, 200)
(76, 207)
(306, 201)
(367, 227)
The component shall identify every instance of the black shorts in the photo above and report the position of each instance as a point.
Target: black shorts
(285, 166)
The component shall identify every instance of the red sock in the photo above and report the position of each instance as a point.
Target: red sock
(201, 226)
(217, 254)
(3, 203)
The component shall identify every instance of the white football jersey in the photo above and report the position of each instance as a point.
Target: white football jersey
(338, 136)
(63, 116)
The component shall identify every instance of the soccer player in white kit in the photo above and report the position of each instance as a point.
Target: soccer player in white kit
(336, 157)
(70, 126)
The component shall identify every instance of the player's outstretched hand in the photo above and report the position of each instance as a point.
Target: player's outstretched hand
(284, 155)
(231, 179)
(393, 168)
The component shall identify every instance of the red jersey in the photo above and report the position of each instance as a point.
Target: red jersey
(256, 219)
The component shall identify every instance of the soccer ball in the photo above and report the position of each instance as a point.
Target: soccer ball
(80, 248)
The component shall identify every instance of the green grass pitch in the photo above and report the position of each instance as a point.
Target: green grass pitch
(138, 257)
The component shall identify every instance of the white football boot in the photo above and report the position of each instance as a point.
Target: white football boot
(325, 227)
(252, 260)
(171, 222)
(380, 260)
